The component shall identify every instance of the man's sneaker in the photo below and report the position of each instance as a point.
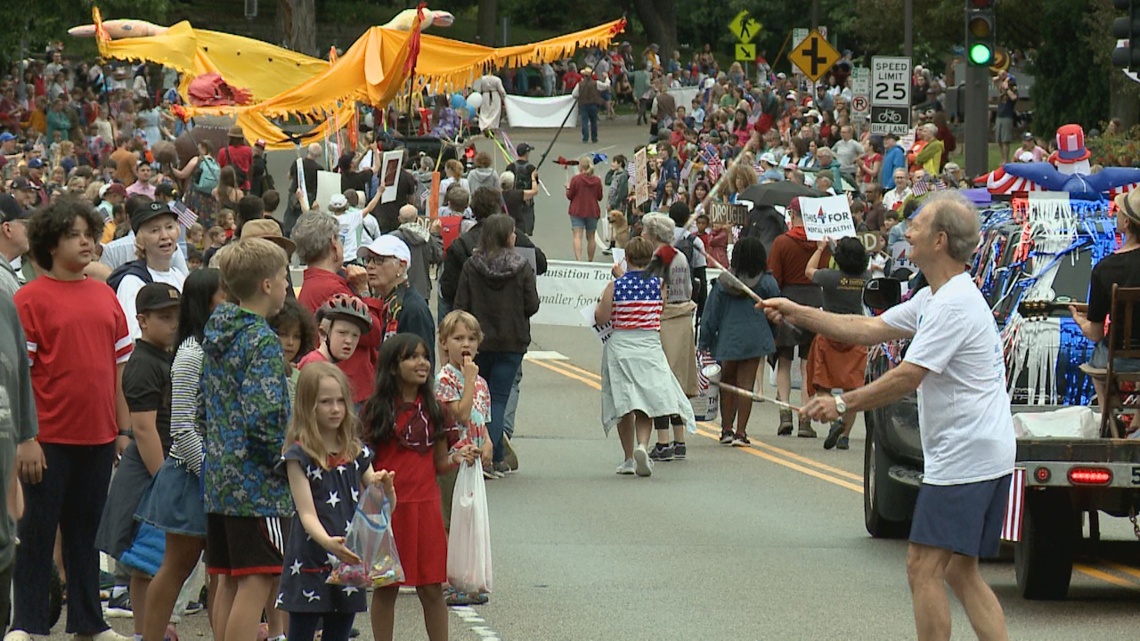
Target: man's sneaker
(726, 437)
(489, 473)
(509, 455)
(661, 452)
(18, 635)
(805, 430)
(194, 607)
(119, 606)
(679, 451)
(833, 435)
(785, 423)
(740, 440)
(502, 469)
(627, 468)
(642, 465)
(607, 252)
(843, 444)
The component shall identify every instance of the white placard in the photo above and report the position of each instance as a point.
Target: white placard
(328, 185)
(391, 165)
(367, 161)
(828, 217)
(301, 180)
(890, 81)
(619, 255)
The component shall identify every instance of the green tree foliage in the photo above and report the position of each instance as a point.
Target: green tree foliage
(29, 25)
(1070, 86)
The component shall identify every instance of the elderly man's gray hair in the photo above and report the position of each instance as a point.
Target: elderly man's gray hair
(658, 227)
(313, 234)
(953, 214)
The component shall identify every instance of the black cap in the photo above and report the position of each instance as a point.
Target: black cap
(149, 211)
(20, 182)
(524, 149)
(164, 189)
(155, 296)
(10, 209)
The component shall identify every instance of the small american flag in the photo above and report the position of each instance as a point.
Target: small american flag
(186, 216)
(1014, 507)
(637, 302)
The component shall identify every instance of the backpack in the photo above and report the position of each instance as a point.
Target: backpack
(687, 245)
(208, 176)
(242, 178)
(133, 268)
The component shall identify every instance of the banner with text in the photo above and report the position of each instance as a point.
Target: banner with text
(567, 288)
(828, 217)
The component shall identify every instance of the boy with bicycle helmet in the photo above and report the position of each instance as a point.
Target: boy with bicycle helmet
(341, 321)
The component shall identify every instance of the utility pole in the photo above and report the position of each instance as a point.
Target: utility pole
(980, 47)
(814, 15)
(908, 28)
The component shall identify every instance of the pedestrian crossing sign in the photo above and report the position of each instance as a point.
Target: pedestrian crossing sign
(745, 52)
(744, 27)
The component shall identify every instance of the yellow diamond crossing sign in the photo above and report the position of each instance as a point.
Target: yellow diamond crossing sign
(814, 56)
(744, 27)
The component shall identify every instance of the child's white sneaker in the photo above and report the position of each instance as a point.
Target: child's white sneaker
(627, 468)
(642, 465)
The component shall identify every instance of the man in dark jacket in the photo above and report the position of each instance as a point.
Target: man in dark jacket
(522, 169)
(484, 203)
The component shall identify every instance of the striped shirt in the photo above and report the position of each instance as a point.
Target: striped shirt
(185, 384)
(637, 302)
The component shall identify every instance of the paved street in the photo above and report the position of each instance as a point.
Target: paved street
(731, 544)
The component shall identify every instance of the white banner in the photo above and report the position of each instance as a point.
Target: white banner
(828, 217)
(684, 97)
(328, 185)
(567, 288)
(541, 113)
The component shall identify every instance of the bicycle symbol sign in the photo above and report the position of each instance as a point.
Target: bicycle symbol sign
(886, 119)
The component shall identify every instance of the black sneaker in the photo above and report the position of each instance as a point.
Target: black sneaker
(119, 606)
(843, 443)
(679, 451)
(740, 440)
(661, 452)
(726, 437)
(785, 423)
(833, 435)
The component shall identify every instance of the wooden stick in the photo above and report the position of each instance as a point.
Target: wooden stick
(756, 398)
(736, 281)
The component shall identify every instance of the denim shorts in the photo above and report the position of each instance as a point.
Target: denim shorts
(589, 224)
(965, 519)
(1099, 359)
(174, 502)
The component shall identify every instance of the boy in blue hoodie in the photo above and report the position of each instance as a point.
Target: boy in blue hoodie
(245, 402)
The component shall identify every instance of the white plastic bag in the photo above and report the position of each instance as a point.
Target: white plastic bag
(469, 544)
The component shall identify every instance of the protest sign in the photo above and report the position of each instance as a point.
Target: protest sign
(641, 170)
(828, 217)
(328, 185)
(390, 178)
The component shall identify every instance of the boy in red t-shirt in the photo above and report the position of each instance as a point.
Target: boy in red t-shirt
(78, 344)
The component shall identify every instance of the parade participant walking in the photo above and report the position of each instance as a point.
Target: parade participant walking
(73, 374)
(526, 180)
(174, 504)
(412, 434)
(791, 254)
(589, 98)
(247, 410)
(834, 365)
(636, 382)
(584, 191)
(736, 336)
(499, 288)
(327, 467)
(955, 362)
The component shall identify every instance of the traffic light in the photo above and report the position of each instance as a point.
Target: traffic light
(980, 32)
(1128, 29)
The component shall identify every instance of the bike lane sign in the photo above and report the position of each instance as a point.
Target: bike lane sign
(890, 94)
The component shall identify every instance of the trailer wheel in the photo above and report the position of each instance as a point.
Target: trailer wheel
(876, 489)
(1043, 559)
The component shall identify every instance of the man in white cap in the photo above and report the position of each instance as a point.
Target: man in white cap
(769, 171)
(400, 306)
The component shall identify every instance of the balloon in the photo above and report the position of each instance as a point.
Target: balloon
(474, 101)
(458, 101)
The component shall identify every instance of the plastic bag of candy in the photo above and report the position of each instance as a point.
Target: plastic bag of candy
(370, 537)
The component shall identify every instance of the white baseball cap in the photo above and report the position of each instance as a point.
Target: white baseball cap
(338, 202)
(768, 157)
(386, 246)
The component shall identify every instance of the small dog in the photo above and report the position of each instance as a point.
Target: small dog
(619, 229)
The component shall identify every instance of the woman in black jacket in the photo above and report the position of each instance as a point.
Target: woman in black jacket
(497, 286)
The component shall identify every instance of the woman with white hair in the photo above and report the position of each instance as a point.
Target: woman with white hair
(929, 156)
(584, 191)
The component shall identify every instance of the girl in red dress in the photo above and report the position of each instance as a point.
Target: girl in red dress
(412, 434)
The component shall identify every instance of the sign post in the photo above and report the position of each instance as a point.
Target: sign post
(861, 95)
(890, 95)
(814, 56)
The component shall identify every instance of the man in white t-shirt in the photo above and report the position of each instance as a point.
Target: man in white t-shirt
(968, 445)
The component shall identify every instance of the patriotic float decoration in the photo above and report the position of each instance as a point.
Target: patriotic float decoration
(1067, 170)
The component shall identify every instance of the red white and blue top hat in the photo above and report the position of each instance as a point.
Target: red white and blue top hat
(1070, 145)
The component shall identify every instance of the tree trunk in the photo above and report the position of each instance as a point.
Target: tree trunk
(660, 21)
(298, 22)
(488, 10)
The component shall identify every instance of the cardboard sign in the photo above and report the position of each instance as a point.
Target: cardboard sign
(731, 213)
(301, 180)
(392, 163)
(828, 217)
(641, 170)
(328, 185)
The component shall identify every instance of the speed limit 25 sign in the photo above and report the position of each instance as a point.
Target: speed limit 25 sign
(890, 81)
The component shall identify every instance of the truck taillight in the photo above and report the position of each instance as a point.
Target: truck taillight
(1042, 474)
(1090, 476)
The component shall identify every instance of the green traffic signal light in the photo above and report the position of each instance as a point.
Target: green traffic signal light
(981, 54)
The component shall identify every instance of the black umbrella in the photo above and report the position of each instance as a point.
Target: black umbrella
(777, 193)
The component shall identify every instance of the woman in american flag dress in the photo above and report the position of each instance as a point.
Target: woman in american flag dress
(637, 383)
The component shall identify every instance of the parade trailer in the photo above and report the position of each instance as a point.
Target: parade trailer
(1034, 261)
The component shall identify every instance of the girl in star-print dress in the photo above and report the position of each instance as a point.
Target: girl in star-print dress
(412, 435)
(327, 467)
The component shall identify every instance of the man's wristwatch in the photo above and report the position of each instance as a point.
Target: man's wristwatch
(840, 405)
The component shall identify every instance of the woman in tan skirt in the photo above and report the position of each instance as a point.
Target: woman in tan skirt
(833, 365)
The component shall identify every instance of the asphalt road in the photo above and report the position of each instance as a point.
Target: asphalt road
(732, 544)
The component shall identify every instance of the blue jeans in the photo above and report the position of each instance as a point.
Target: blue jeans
(588, 114)
(499, 370)
(442, 308)
(512, 407)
